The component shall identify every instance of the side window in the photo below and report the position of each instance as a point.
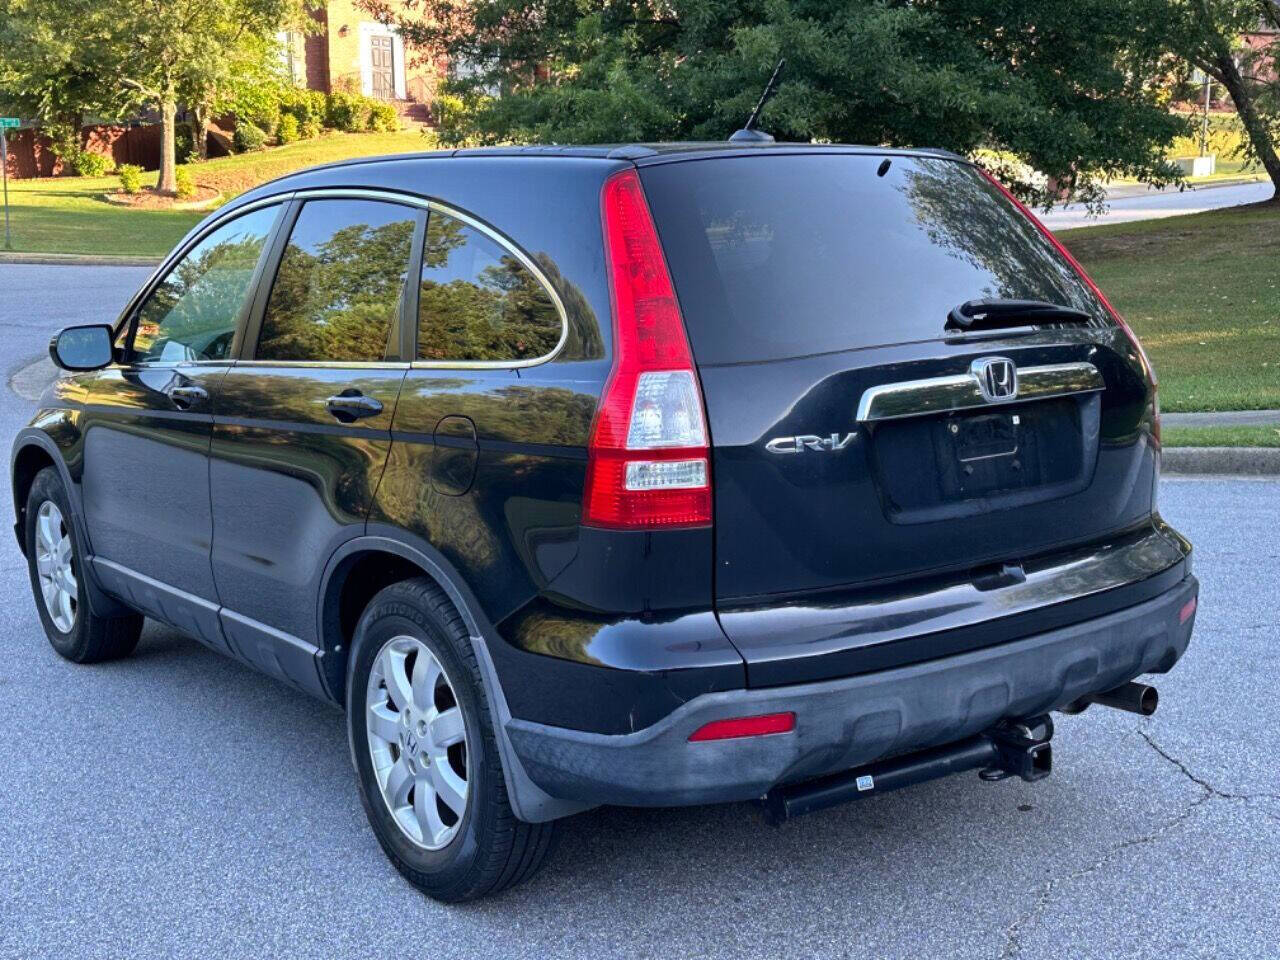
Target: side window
(338, 288)
(477, 301)
(191, 315)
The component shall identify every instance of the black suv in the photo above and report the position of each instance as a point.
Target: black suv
(642, 475)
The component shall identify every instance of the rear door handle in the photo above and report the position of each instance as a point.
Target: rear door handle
(350, 406)
(184, 398)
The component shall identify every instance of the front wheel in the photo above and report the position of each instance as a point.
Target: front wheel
(54, 561)
(423, 745)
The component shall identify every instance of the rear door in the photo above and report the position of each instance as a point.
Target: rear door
(302, 423)
(863, 455)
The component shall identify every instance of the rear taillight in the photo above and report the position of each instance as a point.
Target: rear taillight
(648, 459)
(1115, 314)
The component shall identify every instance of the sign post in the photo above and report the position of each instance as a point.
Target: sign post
(6, 124)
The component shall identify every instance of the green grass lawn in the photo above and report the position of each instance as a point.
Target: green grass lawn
(69, 214)
(1203, 293)
(1221, 436)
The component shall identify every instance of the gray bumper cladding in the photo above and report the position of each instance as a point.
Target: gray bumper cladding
(845, 723)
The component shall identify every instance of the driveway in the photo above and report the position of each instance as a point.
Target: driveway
(176, 804)
(1154, 204)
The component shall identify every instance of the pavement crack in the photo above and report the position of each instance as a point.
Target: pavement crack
(1013, 932)
(1201, 781)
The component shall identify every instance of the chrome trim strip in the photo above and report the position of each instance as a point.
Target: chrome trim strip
(917, 398)
(328, 364)
(525, 260)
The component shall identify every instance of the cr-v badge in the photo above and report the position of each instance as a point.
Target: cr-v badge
(808, 441)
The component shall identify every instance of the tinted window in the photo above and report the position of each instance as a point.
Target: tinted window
(192, 314)
(478, 301)
(782, 256)
(338, 288)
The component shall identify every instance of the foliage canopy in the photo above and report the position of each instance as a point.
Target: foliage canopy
(1064, 88)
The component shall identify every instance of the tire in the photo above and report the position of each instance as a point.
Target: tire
(74, 631)
(481, 850)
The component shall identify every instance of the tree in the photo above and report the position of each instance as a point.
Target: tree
(212, 80)
(74, 57)
(160, 51)
(1063, 88)
(43, 76)
(1207, 34)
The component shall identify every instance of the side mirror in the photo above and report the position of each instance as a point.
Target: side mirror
(82, 348)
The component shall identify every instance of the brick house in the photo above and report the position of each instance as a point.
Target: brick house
(1264, 39)
(353, 51)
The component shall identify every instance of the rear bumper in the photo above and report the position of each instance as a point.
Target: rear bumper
(844, 723)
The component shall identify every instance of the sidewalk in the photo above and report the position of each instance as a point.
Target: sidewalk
(1122, 191)
(78, 260)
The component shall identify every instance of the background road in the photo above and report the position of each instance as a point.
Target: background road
(177, 804)
(1153, 204)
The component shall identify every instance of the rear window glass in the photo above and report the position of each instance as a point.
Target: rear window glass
(783, 256)
(477, 302)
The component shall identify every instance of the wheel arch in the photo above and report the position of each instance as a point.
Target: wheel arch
(366, 564)
(30, 456)
(33, 450)
(358, 570)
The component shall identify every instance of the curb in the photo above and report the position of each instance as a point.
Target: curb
(78, 260)
(1222, 461)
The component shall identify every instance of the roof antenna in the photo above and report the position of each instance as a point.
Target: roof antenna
(748, 133)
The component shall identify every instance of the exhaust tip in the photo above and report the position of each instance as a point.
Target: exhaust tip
(1148, 701)
(1133, 697)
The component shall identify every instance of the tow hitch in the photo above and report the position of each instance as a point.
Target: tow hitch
(1019, 749)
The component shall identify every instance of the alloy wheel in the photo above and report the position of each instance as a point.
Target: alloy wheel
(55, 566)
(418, 742)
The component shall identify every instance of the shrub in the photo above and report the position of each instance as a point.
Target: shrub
(448, 107)
(87, 164)
(184, 144)
(186, 182)
(347, 111)
(287, 128)
(383, 117)
(130, 177)
(258, 103)
(455, 114)
(248, 137)
(310, 129)
(305, 106)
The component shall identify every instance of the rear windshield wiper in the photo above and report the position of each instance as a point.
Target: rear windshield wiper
(1000, 314)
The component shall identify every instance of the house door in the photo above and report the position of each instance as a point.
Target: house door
(384, 84)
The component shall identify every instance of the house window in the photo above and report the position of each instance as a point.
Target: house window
(288, 41)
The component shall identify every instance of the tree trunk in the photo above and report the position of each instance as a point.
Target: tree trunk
(200, 131)
(1254, 125)
(167, 182)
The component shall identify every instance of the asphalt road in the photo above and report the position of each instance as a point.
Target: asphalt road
(176, 804)
(1154, 204)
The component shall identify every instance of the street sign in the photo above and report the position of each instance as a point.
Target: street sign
(9, 122)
